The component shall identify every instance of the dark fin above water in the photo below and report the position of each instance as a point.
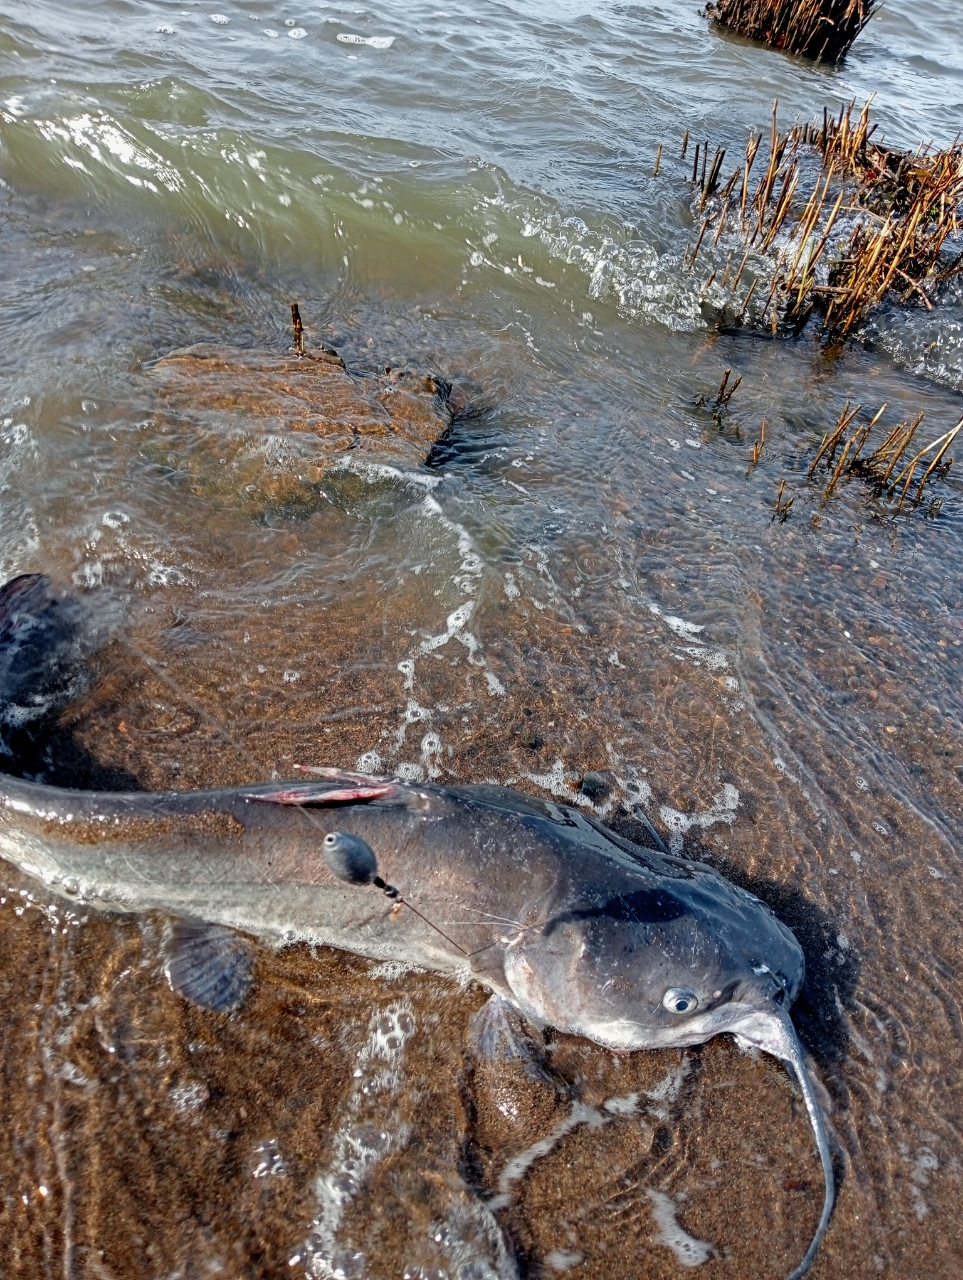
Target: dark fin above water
(320, 793)
(38, 650)
(208, 965)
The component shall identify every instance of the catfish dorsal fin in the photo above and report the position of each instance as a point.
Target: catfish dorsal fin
(321, 793)
(207, 964)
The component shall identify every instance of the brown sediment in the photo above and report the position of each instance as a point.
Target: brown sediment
(251, 430)
(168, 1138)
(820, 29)
(136, 827)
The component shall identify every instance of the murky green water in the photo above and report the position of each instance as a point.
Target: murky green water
(581, 578)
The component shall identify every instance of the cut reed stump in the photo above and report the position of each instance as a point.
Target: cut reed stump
(823, 30)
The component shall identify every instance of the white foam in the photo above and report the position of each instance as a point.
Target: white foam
(373, 42)
(219, 19)
(689, 630)
(267, 1160)
(563, 1259)
(431, 754)
(189, 1097)
(689, 1251)
(297, 33)
(371, 1130)
(521, 1163)
(723, 810)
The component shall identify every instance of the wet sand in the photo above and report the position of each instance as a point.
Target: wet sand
(172, 1141)
(580, 592)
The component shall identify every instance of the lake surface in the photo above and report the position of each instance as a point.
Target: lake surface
(584, 577)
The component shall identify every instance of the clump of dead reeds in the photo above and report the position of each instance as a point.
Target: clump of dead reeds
(819, 29)
(895, 470)
(871, 225)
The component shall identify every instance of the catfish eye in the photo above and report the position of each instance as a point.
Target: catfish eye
(680, 1000)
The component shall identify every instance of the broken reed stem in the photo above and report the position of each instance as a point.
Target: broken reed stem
(782, 509)
(831, 442)
(658, 161)
(745, 305)
(726, 390)
(298, 328)
(905, 439)
(698, 244)
(757, 448)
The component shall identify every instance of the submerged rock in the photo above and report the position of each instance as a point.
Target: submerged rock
(252, 430)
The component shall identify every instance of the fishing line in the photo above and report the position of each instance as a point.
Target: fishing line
(155, 667)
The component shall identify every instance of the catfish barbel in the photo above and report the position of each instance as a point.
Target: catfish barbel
(576, 927)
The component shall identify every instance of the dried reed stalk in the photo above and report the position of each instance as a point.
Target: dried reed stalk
(782, 508)
(879, 466)
(900, 210)
(819, 29)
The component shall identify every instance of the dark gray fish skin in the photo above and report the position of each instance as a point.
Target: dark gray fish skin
(579, 929)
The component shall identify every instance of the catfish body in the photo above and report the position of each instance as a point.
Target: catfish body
(523, 894)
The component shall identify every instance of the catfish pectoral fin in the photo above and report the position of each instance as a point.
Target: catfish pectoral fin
(208, 965)
(498, 1033)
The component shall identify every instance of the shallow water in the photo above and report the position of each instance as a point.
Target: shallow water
(581, 578)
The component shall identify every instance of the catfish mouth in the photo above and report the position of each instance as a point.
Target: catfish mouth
(760, 1019)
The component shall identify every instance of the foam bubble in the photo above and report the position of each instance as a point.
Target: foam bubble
(373, 42)
(723, 810)
(371, 1129)
(689, 1251)
(270, 33)
(165, 31)
(297, 33)
(219, 19)
(521, 1163)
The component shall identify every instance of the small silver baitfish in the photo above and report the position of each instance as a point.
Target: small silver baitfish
(576, 927)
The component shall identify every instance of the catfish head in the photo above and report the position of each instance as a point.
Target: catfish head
(668, 962)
